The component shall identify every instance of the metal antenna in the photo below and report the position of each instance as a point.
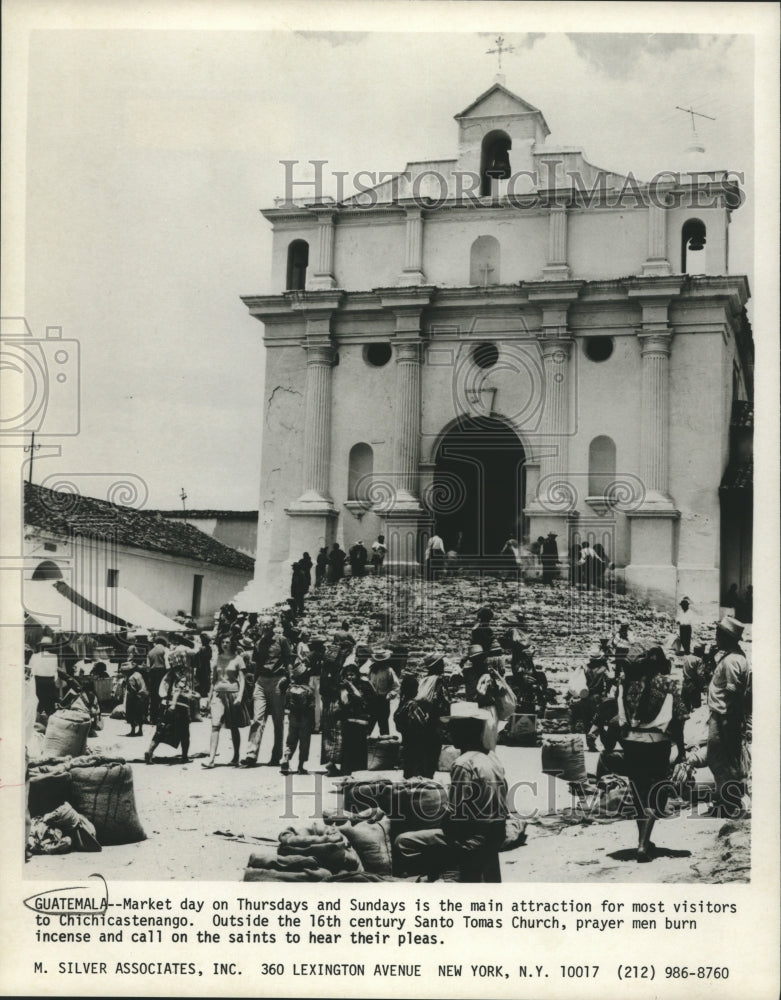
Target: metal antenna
(692, 112)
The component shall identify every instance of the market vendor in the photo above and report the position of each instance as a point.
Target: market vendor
(466, 847)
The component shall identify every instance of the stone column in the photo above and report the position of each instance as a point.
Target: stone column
(655, 412)
(657, 263)
(557, 268)
(313, 512)
(555, 502)
(412, 272)
(556, 351)
(405, 517)
(323, 276)
(317, 423)
(652, 572)
(406, 439)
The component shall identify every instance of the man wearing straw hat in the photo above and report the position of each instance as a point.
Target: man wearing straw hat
(729, 703)
(466, 847)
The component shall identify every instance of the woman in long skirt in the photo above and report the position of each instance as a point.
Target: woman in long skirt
(651, 716)
(136, 699)
(331, 715)
(173, 723)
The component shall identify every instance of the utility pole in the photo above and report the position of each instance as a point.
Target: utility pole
(183, 497)
(32, 447)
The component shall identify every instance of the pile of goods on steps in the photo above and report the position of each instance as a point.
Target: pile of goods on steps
(413, 618)
(356, 841)
(81, 802)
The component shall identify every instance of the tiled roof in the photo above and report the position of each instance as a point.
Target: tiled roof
(66, 513)
(221, 515)
(739, 476)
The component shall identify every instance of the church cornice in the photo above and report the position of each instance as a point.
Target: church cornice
(699, 301)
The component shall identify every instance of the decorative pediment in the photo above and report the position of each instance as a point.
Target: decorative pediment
(501, 102)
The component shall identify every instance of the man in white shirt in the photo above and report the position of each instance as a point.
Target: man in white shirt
(684, 619)
(435, 555)
(44, 667)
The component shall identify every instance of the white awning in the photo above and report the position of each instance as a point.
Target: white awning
(63, 609)
(139, 614)
(48, 606)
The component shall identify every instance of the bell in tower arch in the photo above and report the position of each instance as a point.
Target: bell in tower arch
(499, 160)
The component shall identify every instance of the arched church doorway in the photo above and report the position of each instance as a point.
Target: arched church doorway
(479, 487)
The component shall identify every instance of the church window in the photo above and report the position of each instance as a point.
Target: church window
(484, 261)
(297, 263)
(360, 471)
(598, 348)
(693, 247)
(494, 160)
(485, 355)
(601, 465)
(377, 355)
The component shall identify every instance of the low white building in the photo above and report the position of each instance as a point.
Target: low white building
(101, 550)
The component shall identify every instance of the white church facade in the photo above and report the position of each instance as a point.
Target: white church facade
(507, 343)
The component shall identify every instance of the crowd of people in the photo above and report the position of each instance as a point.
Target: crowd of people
(630, 699)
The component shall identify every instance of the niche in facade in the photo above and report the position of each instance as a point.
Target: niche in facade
(297, 263)
(601, 465)
(360, 471)
(484, 261)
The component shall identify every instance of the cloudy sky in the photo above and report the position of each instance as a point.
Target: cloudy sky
(149, 153)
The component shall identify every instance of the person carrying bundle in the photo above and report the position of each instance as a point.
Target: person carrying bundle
(300, 705)
(173, 724)
(417, 718)
(466, 847)
(650, 718)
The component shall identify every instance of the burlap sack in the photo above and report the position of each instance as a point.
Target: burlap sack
(564, 757)
(105, 796)
(66, 734)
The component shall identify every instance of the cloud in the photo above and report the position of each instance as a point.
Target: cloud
(617, 55)
(334, 38)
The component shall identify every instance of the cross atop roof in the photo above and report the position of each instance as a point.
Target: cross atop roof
(500, 48)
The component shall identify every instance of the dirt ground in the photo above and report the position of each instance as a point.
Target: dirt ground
(201, 825)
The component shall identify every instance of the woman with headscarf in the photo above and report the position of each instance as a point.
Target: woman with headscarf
(136, 698)
(173, 722)
(650, 717)
(225, 701)
(356, 697)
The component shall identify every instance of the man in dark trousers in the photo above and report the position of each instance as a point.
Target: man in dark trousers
(298, 587)
(466, 847)
(273, 660)
(336, 558)
(550, 557)
(358, 559)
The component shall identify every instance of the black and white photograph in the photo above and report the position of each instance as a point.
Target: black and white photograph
(378, 448)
